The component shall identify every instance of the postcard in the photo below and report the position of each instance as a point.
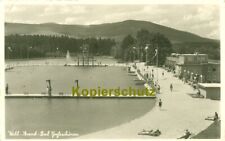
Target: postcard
(141, 70)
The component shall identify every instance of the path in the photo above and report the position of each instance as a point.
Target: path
(179, 112)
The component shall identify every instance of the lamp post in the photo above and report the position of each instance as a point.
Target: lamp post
(157, 54)
(157, 60)
(134, 49)
(192, 77)
(139, 53)
(146, 49)
(10, 50)
(184, 77)
(83, 51)
(57, 51)
(201, 78)
(28, 52)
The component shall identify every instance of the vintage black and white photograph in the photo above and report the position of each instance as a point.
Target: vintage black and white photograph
(112, 71)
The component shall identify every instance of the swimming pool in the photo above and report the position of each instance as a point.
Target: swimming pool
(81, 116)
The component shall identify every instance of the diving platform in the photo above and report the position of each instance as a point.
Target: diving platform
(95, 65)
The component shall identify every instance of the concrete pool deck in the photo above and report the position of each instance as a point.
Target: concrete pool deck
(11, 66)
(179, 111)
(70, 96)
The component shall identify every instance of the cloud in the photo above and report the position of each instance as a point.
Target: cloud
(199, 19)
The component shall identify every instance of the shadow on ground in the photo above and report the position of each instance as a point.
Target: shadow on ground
(195, 95)
(212, 132)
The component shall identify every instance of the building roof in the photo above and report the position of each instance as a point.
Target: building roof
(209, 85)
(194, 54)
(188, 54)
(172, 58)
(214, 61)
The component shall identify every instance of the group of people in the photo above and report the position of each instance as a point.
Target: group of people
(213, 118)
(187, 133)
(156, 132)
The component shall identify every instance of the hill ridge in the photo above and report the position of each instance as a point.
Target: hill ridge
(116, 30)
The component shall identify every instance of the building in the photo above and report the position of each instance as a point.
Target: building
(194, 67)
(210, 90)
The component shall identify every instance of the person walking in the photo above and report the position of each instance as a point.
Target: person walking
(160, 103)
(171, 87)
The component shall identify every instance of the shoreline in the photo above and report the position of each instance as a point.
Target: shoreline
(178, 109)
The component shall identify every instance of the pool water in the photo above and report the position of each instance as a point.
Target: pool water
(81, 116)
(32, 79)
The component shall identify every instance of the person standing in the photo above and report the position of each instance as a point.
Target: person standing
(158, 88)
(199, 93)
(216, 117)
(7, 89)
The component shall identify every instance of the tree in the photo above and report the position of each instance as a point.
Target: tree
(126, 45)
(153, 41)
(164, 46)
(143, 37)
(30, 46)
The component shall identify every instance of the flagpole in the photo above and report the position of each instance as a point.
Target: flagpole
(157, 62)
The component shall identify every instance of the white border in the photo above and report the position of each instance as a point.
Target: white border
(2, 72)
(114, 1)
(222, 65)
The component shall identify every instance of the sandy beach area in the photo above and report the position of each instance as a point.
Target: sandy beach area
(179, 111)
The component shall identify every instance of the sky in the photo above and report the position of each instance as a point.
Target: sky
(199, 19)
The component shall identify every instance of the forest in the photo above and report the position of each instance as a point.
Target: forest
(36, 46)
(141, 46)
